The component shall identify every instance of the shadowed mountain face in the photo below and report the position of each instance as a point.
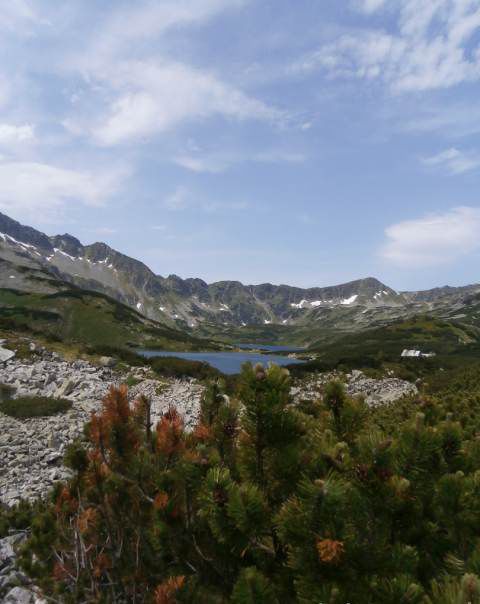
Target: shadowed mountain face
(31, 261)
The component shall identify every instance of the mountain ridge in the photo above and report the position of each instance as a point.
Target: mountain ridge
(193, 303)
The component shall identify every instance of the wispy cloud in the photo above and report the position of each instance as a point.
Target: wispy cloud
(451, 119)
(436, 47)
(148, 19)
(215, 163)
(182, 198)
(155, 97)
(11, 134)
(140, 95)
(27, 187)
(370, 6)
(14, 12)
(432, 240)
(454, 160)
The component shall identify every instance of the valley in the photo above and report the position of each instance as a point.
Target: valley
(101, 353)
(227, 311)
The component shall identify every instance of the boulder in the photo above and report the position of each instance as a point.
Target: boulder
(19, 595)
(6, 355)
(107, 362)
(67, 387)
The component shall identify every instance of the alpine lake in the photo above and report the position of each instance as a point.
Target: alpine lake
(231, 363)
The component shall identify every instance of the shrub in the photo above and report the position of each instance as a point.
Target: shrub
(179, 368)
(34, 406)
(132, 381)
(6, 392)
(123, 354)
(263, 503)
(18, 517)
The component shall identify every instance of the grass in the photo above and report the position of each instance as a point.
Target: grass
(82, 317)
(132, 381)
(34, 406)
(6, 392)
(379, 349)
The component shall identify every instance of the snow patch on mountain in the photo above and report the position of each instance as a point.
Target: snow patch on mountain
(301, 304)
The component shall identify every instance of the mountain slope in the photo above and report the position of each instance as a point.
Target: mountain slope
(78, 316)
(31, 260)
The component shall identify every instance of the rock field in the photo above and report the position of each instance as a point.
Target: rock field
(376, 392)
(31, 450)
(15, 586)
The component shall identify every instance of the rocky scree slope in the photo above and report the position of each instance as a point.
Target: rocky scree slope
(31, 450)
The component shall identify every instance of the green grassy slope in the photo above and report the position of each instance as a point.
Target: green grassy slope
(453, 342)
(85, 317)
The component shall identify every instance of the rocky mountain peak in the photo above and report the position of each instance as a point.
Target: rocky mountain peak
(68, 244)
(24, 234)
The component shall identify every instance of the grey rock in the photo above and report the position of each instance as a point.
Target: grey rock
(67, 387)
(6, 355)
(107, 361)
(19, 595)
(31, 450)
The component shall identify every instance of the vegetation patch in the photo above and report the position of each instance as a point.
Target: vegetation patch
(269, 502)
(18, 517)
(6, 392)
(34, 406)
(180, 368)
(132, 381)
(80, 317)
(123, 354)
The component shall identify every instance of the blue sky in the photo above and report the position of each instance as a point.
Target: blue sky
(307, 142)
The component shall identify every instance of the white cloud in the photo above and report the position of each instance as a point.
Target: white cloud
(156, 96)
(212, 164)
(151, 18)
(38, 187)
(216, 163)
(13, 12)
(178, 200)
(435, 239)
(183, 198)
(137, 98)
(455, 119)
(370, 6)
(436, 46)
(10, 134)
(455, 161)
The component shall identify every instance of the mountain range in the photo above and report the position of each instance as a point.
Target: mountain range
(32, 261)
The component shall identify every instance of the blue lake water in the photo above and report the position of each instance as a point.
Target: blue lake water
(226, 362)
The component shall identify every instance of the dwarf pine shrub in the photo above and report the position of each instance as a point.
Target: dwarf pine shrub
(265, 502)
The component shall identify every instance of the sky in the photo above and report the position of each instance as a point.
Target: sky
(308, 142)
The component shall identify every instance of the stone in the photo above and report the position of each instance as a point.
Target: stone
(67, 387)
(31, 450)
(19, 595)
(107, 361)
(6, 551)
(6, 355)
